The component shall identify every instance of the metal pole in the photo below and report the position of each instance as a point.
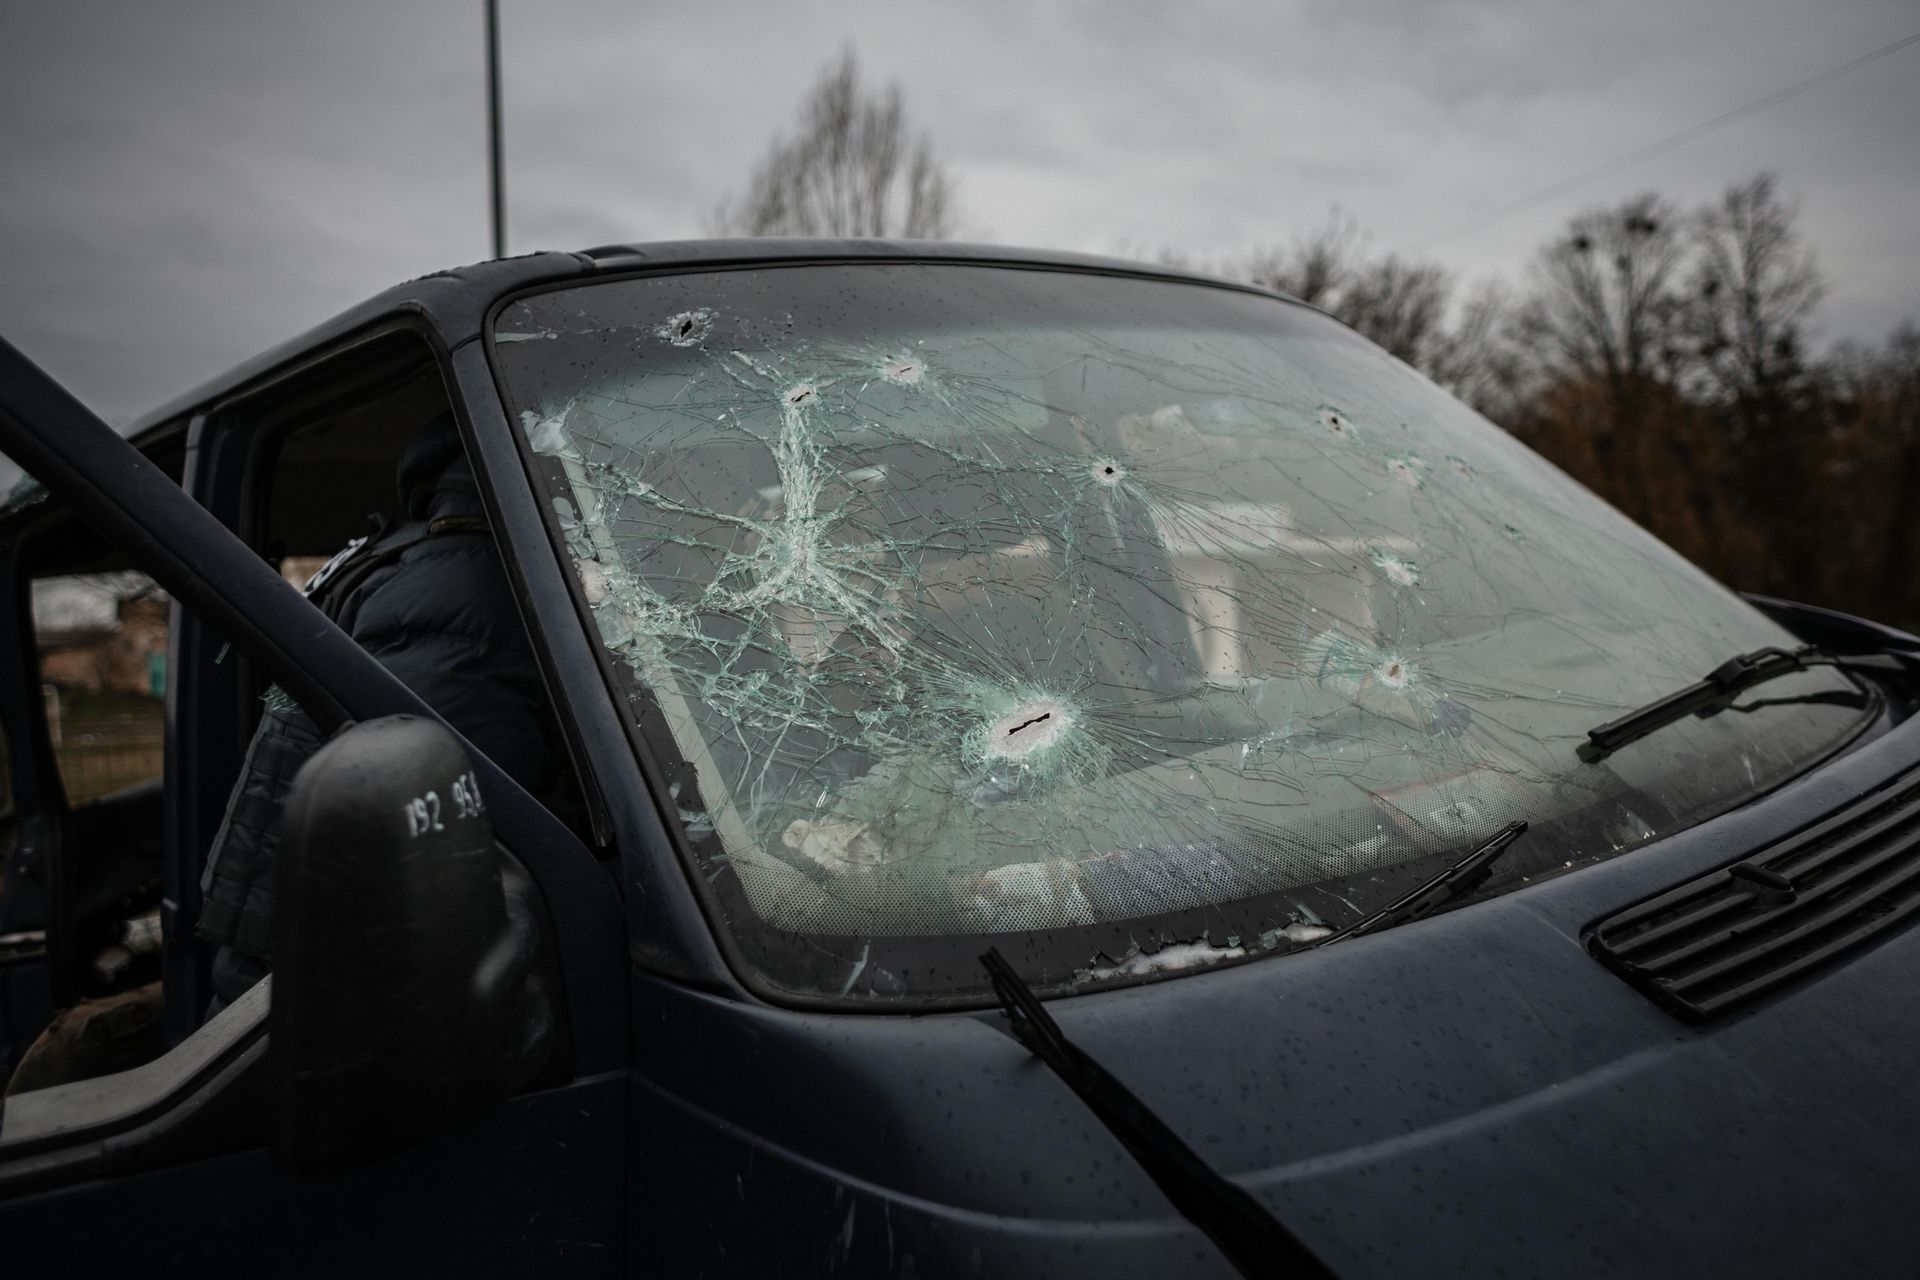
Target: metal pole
(496, 166)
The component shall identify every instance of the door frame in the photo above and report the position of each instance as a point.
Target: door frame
(210, 571)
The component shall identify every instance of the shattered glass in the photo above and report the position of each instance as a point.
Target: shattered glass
(1140, 625)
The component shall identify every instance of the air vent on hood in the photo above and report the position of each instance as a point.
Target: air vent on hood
(1731, 935)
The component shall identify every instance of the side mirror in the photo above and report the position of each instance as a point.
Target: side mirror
(411, 980)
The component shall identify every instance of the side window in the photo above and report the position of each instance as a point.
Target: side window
(85, 667)
(101, 640)
(98, 667)
(426, 592)
(159, 872)
(418, 968)
(377, 469)
(359, 474)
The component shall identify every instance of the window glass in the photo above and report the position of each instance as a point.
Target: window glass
(1138, 625)
(102, 642)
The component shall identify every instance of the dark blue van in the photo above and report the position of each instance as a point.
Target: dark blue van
(1080, 769)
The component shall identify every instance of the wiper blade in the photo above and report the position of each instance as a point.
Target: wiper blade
(1253, 1240)
(1462, 877)
(1703, 697)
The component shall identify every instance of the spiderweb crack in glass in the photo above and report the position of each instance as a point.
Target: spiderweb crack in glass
(976, 610)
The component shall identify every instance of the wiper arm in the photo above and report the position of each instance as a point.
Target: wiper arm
(1253, 1240)
(1462, 877)
(1703, 697)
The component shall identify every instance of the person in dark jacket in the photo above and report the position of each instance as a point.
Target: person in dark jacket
(430, 599)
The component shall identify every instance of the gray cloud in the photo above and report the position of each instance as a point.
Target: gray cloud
(189, 182)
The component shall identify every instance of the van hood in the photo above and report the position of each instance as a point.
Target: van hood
(1467, 1092)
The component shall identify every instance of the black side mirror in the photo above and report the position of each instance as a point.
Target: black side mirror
(411, 980)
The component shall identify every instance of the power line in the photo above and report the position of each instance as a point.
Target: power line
(1669, 142)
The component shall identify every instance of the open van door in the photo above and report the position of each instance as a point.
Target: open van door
(83, 654)
(170, 1160)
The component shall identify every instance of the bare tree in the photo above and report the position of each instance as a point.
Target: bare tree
(1400, 304)
(1754, 285)
(1869, 469)
(852, 171)
(1405, 305)
(1602, 327)
(1315, 268)
(1605, 303)
(1480, 359)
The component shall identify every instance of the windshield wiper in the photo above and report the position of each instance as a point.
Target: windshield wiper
(1706, 697)
(1462, 877)
(1254, 1241)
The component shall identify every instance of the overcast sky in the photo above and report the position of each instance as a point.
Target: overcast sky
(188, 182)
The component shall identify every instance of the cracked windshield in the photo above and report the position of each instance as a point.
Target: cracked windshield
(1132, 626)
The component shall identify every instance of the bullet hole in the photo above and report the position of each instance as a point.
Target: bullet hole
(688, 329)
(800, 395)
(1108, 472)
(1030, 727)
(904, 372)
(1338, 425)
(1408, 469)
(1393, 672)
(1398, 570)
